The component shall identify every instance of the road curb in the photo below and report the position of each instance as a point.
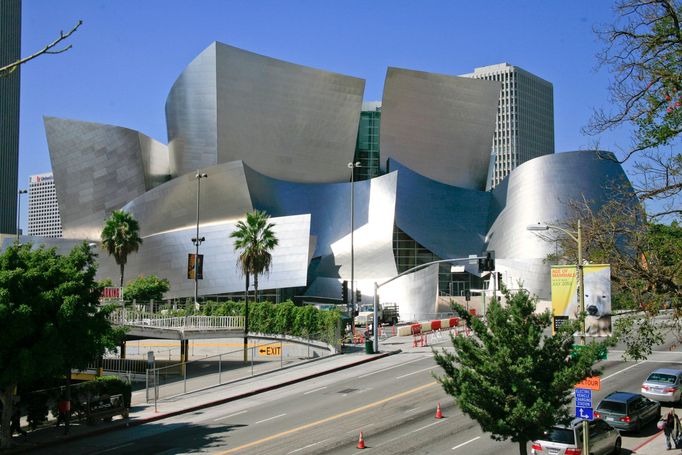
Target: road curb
(134, 423)
(660, 432)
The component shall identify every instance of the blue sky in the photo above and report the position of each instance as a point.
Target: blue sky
(127, 54)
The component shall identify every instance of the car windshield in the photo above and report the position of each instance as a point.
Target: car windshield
(661, 377)
(560, 435)
(612, 406)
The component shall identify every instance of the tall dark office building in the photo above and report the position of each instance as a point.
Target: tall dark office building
(10, 51)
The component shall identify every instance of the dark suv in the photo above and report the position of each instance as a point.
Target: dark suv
(628, 411)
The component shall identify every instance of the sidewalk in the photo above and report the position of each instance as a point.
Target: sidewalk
(655, 444)
(142, 412)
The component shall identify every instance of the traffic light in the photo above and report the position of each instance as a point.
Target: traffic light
(344, 291)
(487, 264)
(358, 295)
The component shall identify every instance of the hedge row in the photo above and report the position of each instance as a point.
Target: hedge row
(281, 318)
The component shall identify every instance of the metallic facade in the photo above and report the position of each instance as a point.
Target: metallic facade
(10, 52)
(277, 137)
(98, 169)
(284, 120)
(439, 126)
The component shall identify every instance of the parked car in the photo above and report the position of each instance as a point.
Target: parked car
(567, 439)
(628, 411)
(664, 384)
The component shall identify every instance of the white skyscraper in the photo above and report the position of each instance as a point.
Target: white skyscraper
(525, 118)
(43, 209)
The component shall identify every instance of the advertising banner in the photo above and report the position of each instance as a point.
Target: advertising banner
(597, 296)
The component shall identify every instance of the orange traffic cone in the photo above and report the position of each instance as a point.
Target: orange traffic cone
(361, 442)
(439, 413)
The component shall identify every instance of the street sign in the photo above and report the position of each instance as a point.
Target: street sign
(275, 350)
(583, 398)
(593, 383)
(584, 413)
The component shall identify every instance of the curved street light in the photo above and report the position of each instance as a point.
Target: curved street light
(578, 238)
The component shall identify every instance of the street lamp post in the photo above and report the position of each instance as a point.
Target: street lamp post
(352, 167)
(197, 241)
(19, 193)
(577, 237)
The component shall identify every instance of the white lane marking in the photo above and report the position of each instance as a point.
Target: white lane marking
(620, 371)
(394, 366)
(429, 425)
(363, 390)
(465, 443)
(314, 390)
(653, 352)
(228, 416)
(411, 410)
(269, 418)
(117, 447)
(308, 446)
(418, 371)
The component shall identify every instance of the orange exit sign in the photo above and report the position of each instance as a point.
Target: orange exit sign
(592, 383)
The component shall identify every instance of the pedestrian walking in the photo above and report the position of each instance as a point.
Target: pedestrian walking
(671, 429)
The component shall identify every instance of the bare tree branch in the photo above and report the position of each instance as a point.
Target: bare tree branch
(48, 49)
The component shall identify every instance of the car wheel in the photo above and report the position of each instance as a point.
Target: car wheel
(616, 448)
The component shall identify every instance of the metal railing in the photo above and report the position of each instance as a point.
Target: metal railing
(262, 357)
(155, 320)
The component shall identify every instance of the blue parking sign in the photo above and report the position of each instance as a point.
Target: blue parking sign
(584, 413)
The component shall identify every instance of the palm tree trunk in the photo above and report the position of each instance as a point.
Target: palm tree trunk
(122, 266)
(246, 319)
(255, 287)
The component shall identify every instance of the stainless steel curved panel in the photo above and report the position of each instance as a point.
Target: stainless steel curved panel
(539, 190)
(97, 169)
(329, 206)
(415, 293)
(191, 116)
(440, 126)
(449, 221)
(173, 205)
(155, 161)
(284, 120)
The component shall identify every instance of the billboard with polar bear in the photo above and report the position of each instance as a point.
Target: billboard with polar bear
(597, 296)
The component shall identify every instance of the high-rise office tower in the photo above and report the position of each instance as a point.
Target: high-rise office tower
(525, 118)
(10, 51)
(43, 209)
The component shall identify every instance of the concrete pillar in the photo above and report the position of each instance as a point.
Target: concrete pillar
(123, 349)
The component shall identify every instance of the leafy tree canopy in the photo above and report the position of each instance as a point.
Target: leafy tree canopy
(643, 51)
(50, 319)
(509, 376)
(145, 288)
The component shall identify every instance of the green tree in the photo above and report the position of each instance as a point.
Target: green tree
(50, 319)
(144, 288)
(254, 239)
(120, 237)
(643, 51)
(646, 266)
(510, 377)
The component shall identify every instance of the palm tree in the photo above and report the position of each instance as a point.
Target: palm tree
(120, 237)
(254, 240)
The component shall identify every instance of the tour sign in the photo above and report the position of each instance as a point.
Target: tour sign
(592, 383)
(270, 350)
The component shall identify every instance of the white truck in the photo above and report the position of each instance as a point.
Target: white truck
(386, 314)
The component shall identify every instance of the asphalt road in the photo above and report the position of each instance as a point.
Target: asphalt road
(392, 401)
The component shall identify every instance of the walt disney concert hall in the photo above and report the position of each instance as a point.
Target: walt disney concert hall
(279, 137)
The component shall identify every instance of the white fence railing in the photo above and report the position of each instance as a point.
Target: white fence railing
(161, 321)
